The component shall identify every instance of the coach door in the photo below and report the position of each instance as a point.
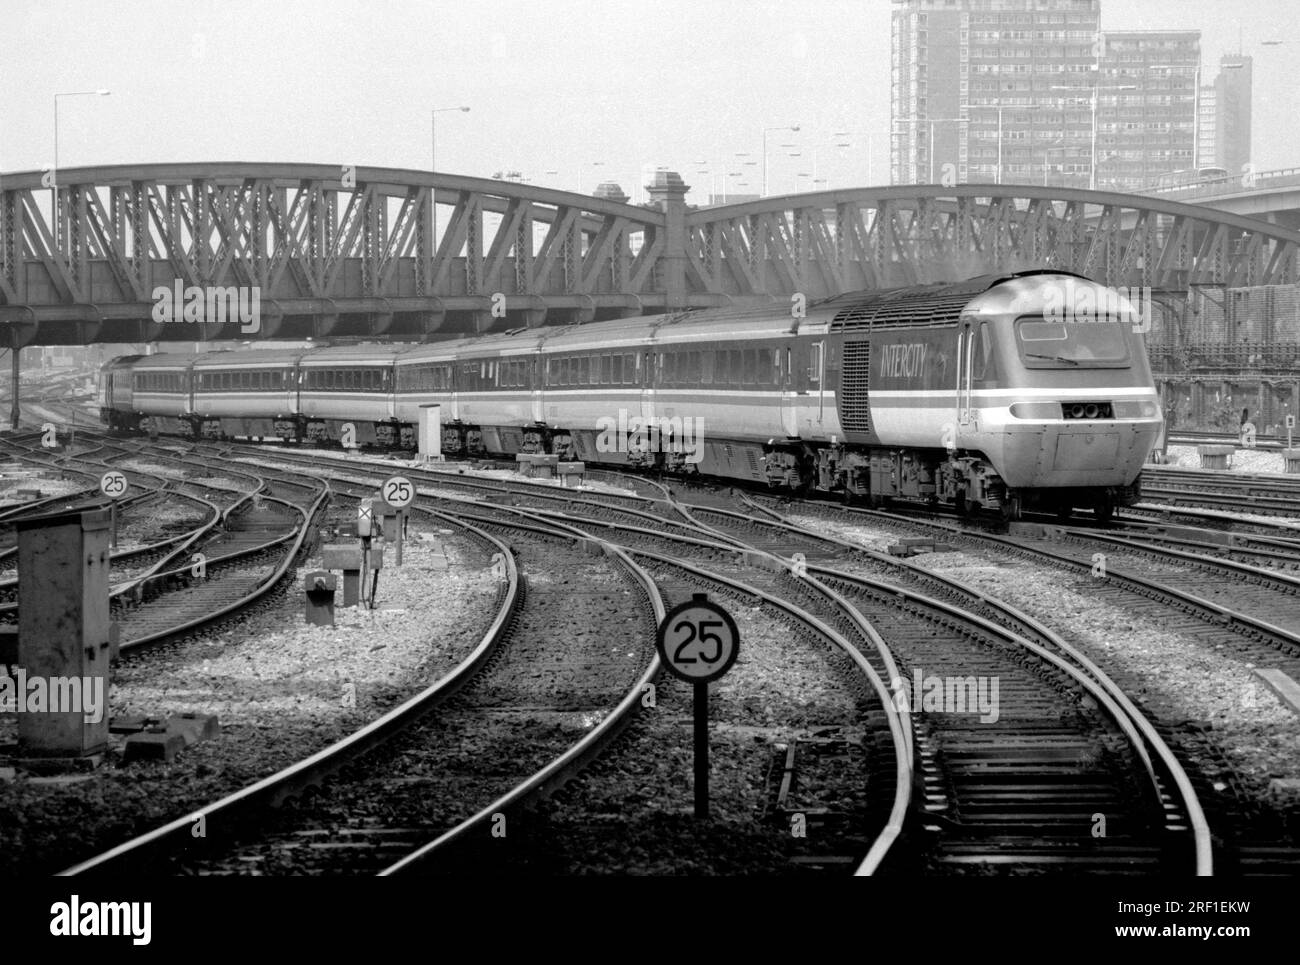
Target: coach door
(647, 375)
(965, 358)
(535, 366)
(789, 397)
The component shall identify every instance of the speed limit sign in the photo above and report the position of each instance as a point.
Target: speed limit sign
(698, 640)
(398, 492)
(113, 484)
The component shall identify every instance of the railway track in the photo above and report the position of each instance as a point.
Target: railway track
(547, 709)
(1047, 832)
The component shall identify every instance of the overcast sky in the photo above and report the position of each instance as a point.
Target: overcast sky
(588, 90)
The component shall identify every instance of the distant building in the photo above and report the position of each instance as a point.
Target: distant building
(1232, 93)
(1150, 130)
(1208, 120)
(989, 90)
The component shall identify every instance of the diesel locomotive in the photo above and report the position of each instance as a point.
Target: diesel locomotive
(1002, 392)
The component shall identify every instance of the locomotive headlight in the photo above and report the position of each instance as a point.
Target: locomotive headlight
(1136, 409)
(1036, 410)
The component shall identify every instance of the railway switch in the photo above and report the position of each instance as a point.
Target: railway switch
(320, 587)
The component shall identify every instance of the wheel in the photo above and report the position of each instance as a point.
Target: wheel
(1011, 507)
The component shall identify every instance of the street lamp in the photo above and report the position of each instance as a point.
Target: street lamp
(593, 165)
(1023, 107)
(1092, 173)
(869, 135)
(433, 162)
(931, 121)
(54, 180)
(766, 131)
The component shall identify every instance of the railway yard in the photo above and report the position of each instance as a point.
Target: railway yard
(499, 705)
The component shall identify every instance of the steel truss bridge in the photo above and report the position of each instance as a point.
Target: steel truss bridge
(349, 252)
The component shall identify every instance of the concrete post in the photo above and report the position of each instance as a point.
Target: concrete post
(668, 190)
(64, 639)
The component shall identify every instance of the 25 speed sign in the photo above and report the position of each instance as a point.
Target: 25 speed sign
(398, 492)
(698, 640)
(113, 484)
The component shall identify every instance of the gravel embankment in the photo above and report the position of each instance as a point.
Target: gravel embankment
(281, 690)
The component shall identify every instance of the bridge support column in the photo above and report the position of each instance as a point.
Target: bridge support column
(668, 190)
(14, 412)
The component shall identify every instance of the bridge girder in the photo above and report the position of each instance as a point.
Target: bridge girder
(341, 251)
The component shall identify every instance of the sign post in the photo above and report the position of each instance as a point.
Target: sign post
(113, 484)
(1290, 427)
(698, 641)
(398, 492)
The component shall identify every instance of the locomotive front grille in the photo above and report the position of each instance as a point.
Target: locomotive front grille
(855, 407)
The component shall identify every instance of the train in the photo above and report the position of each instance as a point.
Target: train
(1002, 393)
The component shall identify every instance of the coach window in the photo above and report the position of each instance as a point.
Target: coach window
(707, 361)
(751, 366)
(735, 367)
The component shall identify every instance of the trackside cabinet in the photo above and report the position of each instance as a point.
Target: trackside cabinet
(64, 631)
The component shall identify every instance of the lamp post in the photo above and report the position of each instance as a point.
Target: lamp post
(58, 220)
(932, 121)
(433, 162)
(870, 136)
(1000, 110)
(1092, 173)
(766, 131)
